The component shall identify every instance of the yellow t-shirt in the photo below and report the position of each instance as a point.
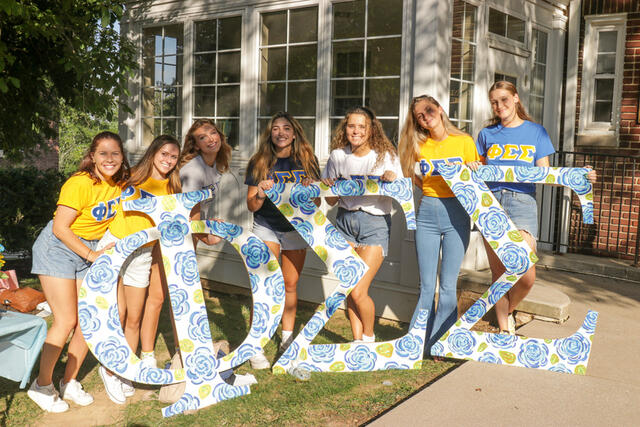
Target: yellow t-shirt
(96, 204)
(452, 149)
(128, 222)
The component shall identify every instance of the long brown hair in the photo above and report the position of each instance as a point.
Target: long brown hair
(301, 152)
(88, 166)
(190, 148)
(377, 139)
(511, 88)
(142, 171)
(412, 134)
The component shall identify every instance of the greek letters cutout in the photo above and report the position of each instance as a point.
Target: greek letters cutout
(98, 309)
(295, 202)
(570, 354)
(430, 167)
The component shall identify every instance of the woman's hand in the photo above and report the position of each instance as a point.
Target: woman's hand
(328, 181)
(93, 255)
(388, 176)
(306, 182)
(263, 186)
(592, 175)
(208, 239)
(474, 165)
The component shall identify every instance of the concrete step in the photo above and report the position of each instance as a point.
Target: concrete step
(592, 265)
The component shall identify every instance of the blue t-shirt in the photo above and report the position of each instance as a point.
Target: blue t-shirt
(285, 170)
(519, 146)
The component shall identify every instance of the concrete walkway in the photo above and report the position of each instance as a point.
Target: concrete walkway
(484, 394)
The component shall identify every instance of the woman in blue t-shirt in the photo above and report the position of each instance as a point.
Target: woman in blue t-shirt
(513, 139)
(284, 155)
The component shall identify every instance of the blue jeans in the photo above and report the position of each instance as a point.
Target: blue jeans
(441, 223)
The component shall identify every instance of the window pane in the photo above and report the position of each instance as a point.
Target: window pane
(173, 43)
(205, 36)
(303, 25)
(541, 47)
(271, 98)
(151, 101)
(384, 17)
(229, 33)
(171, 102)
(228, 101)
(262, 125)
(273, 64)
(470, 23)
(230, 129)
(205, 101)
(170, 127)
(348, 19)
(152, 42)
(348, 59)
(383, 57)
(303, 62)
(345, 94)
(468, 61)
(169, 75)
(454, 99)
(205, 68)
(606, 63)
(537, 83)
(383, 96)
(465, 101)
(602, 112)
(535, 108)
(458, 18)
(309, 128)
(515, 29)
(229, 67)
(390, 127)
(607, 41)
(302, 99)
(456, 59)
(274, 28)
(334, 124)
(604, 89)
(497, 22)
(148, 65)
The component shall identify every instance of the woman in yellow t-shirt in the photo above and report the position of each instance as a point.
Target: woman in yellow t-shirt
(62, 254)
(143, 291)
(428, 139)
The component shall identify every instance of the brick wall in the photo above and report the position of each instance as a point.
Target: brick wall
(44, 157)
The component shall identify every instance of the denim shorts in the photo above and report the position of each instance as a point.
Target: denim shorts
(53, 258)
(364, 229)
(288, 240)
(521, 208)
(136, 268)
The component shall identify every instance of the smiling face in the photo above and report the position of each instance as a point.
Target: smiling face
(357, 130)
(164, 161)
(428, 115)
(282, 135)
(503, 104)
(107, 158)
(207, 139)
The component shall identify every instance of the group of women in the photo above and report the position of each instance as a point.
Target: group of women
(89, 219)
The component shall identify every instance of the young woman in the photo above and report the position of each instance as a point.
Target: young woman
(62, 254)
(284, 155)
(154, 175)
(513, 139)
(429, 138)
(360, 147)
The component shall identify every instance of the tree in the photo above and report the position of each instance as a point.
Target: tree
(55, 50)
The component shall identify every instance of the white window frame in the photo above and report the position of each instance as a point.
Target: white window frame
(593, 26)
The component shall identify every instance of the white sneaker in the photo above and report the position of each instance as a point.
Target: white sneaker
(47, 397)
(511, 324)
(149, 360)
(259, 361)
(112, 386)
(73, 391)
(127, 387)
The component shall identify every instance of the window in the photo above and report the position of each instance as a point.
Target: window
(463, 62)
(216, 73)
(288, 66)
(506, 25)
(538, 73)
(162, 82)
(366, 47)
(602, 74)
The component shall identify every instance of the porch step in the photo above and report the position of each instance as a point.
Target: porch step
(589, 264)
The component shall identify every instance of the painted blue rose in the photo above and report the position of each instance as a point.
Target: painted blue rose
(573, 349)
(400, 189)
(395, 365)
(173, 228)
(198, 329)
(360, 358)
(102, 277)
(421, 319)
(590, 321)
(560, 368)
(308, 367)
(254, 280)
(186, 402)
(410, 218)
(497, 290)
(533, 354)
(466, 195)
(148, 375)
(146, 204)
(493, 222)
(348, 187)
(224, 391)
(113, 323)
(130, 243)
(192, 198)
(201, 366)
(290, 354)
(475, 312)
(255, 251)
(576, 179)
(490, 358)
(244, 353)
(304, 228)
(274, 325)
(275, 287)
(301, 198)
(461, 341)
(333, 302)
(502, 341)
(225, 229)
(88, 319)
(186, 266)
(349, 270)
(112, 355)
(437, 349)
(260, 319)
(275, 193)
(313, 326)
(322, 353)
(333, 238)
(179, 301)
(409, 346)
(487, 173)
(530, 173)
(448, 171)
(587, 213)
(514, 258)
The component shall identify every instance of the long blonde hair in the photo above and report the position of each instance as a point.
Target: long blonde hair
(142, 171)
(190, 148)
(511, 88)
(412, 134)
(301, 152)
(377, 140)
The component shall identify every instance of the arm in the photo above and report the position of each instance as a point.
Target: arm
(62, 230)
(256, 194)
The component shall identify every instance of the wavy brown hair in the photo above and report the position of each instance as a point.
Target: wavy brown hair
(190, 148)
(412, 134)
(142, 171)
(511, 88)
(301, 151)
(88, 166)
(377, 139)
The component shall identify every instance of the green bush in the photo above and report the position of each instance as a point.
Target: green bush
(27, 202)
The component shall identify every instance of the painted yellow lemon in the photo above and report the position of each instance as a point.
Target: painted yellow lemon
(465, 175)
(286, 209)
(345, 347)
(580, 370)
(198, 297)
(319, 218)
(494, 244)
(273, 265)
(166, 263)
(264, 341)
(186, 345)
(406, 206)
(372, 186)
(204, 390)
(507, 356)
(278, 370)
(321, 251)
(486, 200)
(169, 203)
(102, 303)
(336, 367)
(482, 347)
(303, 354)
(515, 236)
(418, 364)
(554, 359)
(197, 227)
(550, 179)
(475, 215)
(82, 293)
(275, 309)
(178, 374)
(385, 349)
(229, 356)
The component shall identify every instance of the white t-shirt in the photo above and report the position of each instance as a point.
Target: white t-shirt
(343, 164)
(197, 175)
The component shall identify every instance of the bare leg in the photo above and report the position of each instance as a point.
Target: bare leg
(360, 306)
(292, 263)
(153, 306)
(135, 304)
(78, 348)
